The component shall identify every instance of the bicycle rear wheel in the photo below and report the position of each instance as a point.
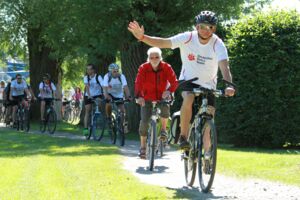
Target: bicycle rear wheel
(207, 167)
(98, 126)
(190, 159)
(151, 144)
(51, 121)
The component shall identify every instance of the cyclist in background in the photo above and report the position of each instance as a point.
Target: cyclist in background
(2, 87)
(114, 86)
(47, 93)
(155, 81)
(17, 89)
(93, 90)
(77, 97)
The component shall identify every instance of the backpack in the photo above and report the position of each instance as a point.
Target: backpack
(49, 85)
(110, 77)
(97, 80)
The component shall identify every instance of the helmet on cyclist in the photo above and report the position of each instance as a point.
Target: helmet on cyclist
(207, 17)
(47, 76)
(113, 66)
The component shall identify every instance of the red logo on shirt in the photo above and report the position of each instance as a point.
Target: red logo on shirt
(191, 57)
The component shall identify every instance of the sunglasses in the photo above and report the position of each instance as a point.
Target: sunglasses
(206, 27)
(19, 78)
(115, 71)
(156, 57)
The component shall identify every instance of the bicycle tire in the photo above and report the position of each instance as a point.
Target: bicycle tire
(26, 120)
(151, 145)
(51, 121)
(43, 126)
(113, 130)
(19, 120)
(190, 157)
(98, 126)
(121, 134)
(172, 130)
(160, 148)
(205, 187)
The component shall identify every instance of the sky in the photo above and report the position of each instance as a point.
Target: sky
(286, 4)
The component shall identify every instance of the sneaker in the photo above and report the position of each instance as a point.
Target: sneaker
(142, 153)
(85, 131)
(183, 143)
(163, 136)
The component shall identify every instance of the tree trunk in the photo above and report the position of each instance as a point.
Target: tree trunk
(40, 62)
(132, 56)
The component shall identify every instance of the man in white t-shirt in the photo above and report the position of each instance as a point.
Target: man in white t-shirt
(114, 86)
(47, 93)
(202, 53)
(93, 90)
(18, 89)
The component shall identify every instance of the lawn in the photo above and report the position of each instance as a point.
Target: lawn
(274, 165)
(42, 167)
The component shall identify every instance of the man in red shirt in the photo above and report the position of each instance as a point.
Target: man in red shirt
(155, 81)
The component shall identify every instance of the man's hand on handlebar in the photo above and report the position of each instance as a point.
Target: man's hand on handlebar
(140, 101)
(229, 91)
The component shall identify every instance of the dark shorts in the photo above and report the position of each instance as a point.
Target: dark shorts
(88, 101)
(46, 100)
(64, 103)
(211, 99)
(77, 104)
(17, 99)
(146, 112)
(116, 99)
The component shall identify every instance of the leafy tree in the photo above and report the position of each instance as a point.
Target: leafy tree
(265, 57)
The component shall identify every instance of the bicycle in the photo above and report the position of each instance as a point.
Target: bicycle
(22, 116)
(151, 148)
(97, 122)
(50, 118)
(117, 122)
(67, 114)
(195, 155)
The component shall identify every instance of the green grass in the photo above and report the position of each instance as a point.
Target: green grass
(274, 165)
(42, 167)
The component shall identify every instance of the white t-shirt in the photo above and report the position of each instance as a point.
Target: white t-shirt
(95, 88)
(115, 86)
(47, 90)
(18, 89)
(199, 60)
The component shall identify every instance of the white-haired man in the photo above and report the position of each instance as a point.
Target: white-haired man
(155, 81)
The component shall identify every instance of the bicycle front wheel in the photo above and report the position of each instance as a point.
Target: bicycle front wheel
(98, 126)
(190, 159)
(207, 166)
(121, 134)
(26, 121)
(51, 121)
(151, 145)
(113, 130)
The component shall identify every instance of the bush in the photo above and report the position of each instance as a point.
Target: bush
(265, 63)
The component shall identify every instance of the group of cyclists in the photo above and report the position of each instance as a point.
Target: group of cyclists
(202, 54)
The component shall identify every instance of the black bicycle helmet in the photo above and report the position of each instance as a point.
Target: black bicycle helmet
(207, 17)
